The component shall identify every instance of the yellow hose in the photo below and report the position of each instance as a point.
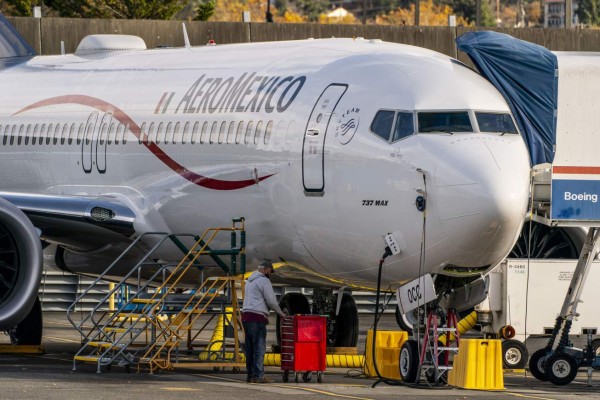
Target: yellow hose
(331, 360)
(464, 325)
(216, 341)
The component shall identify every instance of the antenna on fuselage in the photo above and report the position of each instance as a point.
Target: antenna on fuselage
(186, 38)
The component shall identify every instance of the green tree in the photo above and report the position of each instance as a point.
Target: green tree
(589, 12)
(468, 10)
(312, 8)
(126, 9)
(17, 8)
(204, 9)
(76, 8)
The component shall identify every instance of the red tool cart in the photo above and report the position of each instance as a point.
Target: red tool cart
(303, 346)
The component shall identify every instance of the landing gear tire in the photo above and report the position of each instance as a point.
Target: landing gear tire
(514, 354)
(561, 369)
(344, 332)
(537, 365)
(291, 304)
(29, 331)
(404, 321)
(409, 361)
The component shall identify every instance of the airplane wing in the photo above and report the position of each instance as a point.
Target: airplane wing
(77, 222)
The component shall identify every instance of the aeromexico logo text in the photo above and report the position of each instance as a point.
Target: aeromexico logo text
(249, 92)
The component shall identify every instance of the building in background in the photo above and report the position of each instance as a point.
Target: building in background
(554, 13)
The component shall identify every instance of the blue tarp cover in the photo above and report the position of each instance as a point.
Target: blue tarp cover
(526, 75)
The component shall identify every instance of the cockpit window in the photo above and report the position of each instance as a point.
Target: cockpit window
(382, 124)
(404, 126)
(495, 122)
(393, 125)
(455, 121)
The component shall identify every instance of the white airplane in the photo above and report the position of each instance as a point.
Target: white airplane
(324, 146)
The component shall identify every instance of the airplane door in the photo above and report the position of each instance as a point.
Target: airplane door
(313, 148)
(86, 144)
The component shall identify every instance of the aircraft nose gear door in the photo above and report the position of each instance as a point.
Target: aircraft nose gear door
(313, 148)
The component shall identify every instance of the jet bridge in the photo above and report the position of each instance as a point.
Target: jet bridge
(554, 98)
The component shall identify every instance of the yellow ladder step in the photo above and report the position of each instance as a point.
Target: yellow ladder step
(145, 301)
(86, 358)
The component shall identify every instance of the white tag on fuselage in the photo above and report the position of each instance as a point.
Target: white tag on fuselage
(415, 293)
(391, 242)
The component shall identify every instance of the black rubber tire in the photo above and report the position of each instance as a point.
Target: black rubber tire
(292, 304)
(296, 377)
(319, 377)
(402, 322)
(29, 331)
(514, 354)
(561, 369)
(286, 376)
(307, 377)
(345, 332)
(537, 365)
(409, 361)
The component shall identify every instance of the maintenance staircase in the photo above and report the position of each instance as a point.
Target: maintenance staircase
(149, 326)
(434, 359)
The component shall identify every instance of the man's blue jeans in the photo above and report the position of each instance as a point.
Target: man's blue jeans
(256, 346)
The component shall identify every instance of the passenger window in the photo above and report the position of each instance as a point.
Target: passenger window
(151, 133)
(214, 132)
(111, 133)
(404, 126)
(176, 133)
(64, 133)
(71, 134)
(248, 132)
(222, 132)
(382, 124)
(268, 132)
(57, 131)
(49, 133)
(103, 133)
(195, 132)
(28, 134)
(239, 133)
(231, 133)
(80, 133)
(160, 133)
(495, 122)
(184, 135)
(204, 132)
(169, 133)
(450, 122)
(42, 134)
(89, 133)
(119, 133)
(21, 134)
(143, 137)
(258, 132)
(13, 133)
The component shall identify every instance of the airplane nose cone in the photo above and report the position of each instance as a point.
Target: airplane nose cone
(481, 192)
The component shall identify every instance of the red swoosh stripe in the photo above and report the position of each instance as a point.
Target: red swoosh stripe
(125, 119)
(576, 170)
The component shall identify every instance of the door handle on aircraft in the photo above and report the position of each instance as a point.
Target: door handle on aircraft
(312, 132)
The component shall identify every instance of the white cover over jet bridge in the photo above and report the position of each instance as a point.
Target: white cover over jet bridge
(556, 103)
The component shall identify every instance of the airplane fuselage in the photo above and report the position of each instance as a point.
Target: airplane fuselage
(283, 135)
